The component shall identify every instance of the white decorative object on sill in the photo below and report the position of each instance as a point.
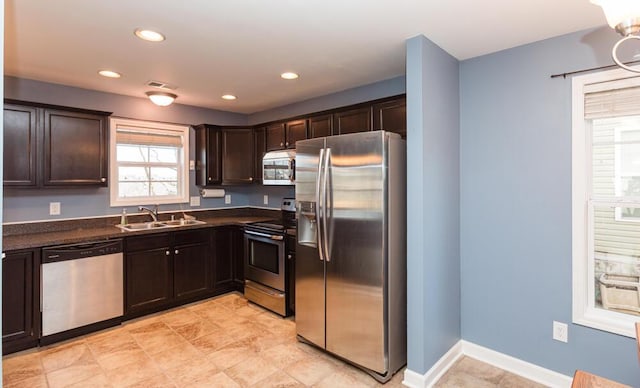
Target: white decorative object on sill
(620, 292)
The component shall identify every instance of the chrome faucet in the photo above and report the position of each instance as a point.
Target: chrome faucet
(152, 212)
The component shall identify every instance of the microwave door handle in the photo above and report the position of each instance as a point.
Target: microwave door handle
(319, 204)
(292, 168)
(325, 203)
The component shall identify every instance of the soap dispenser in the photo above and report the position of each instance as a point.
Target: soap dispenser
(123, 217)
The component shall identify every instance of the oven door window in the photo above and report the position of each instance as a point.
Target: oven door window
(264, 256)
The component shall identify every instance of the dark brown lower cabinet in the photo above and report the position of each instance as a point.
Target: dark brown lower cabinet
(223, 252)
(228, 247)
(191, 263)
(238, 258)
(20, 300)
(168, 269)
(148, 274)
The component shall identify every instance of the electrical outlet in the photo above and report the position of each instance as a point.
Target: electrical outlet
(560, 331)
(194, 201)
(54, 208)
(265, 200)
(227, 199)
(192, 165)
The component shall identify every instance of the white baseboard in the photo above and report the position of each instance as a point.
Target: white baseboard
(514, 365)
(416, 380)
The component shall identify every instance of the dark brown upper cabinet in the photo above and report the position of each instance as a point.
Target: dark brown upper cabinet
(46, 145)
(281, 136)
(295, 130)
(275, 137)
(320, 126)
(20, 145)
(75, 148)
(224, 156)
(391, 116)
(237, 156)
(208, 155)
(260, 146)
(353, 120)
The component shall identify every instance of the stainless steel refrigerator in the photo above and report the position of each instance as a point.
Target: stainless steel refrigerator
(351, 251)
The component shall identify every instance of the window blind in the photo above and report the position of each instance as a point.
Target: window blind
(126, 136)
(612, 103)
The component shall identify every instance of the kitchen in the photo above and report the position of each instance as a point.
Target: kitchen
(75, 204)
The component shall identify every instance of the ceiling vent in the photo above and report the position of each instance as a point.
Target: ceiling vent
(161, 85)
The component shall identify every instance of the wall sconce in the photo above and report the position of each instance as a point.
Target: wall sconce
(624, 17)
(161, 98)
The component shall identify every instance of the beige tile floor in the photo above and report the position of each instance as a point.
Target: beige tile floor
(220, 342)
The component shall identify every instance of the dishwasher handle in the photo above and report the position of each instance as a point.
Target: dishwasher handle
(80, 251)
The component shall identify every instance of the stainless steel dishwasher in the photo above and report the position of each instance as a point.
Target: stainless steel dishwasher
(82, 284)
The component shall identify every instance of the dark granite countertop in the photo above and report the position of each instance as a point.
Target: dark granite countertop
(42, 234)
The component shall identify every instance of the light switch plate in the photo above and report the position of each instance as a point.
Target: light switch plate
(194, 201)
(192, 165)
(227, 199)
(265, 200)
(54, 208)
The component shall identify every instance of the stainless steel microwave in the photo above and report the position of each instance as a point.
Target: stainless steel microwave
(279, 168)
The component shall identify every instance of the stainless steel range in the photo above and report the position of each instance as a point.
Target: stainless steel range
(268, 268)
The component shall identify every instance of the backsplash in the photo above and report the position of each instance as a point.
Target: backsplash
(25, 205)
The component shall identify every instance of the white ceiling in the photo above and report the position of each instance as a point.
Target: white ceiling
(240, 47)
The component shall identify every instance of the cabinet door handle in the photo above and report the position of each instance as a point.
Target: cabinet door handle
(167, 253)
(103, 180)
(176, 251)
(281, 144)
(250, 179)
(287, 144)
(209, 178)
(289, 257)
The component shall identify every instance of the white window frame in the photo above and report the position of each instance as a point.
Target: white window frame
(584, 310)
(183, 158)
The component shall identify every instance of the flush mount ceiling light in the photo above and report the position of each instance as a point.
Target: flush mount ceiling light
(289, 75)
(149, 35)
(161, 98)
(624, 17)
(229, 97)
(109, 74)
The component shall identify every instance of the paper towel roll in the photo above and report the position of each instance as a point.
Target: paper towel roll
(212, 193)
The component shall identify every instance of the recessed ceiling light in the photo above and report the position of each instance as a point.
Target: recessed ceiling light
(109, 74)
(229, 97)
(289, 75)
(149, 35)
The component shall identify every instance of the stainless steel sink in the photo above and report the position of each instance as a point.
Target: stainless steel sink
(159, 224)
(182, 222)
(142, 226)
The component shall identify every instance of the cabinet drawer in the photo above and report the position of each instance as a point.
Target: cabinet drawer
(200, 236)
(145, 243)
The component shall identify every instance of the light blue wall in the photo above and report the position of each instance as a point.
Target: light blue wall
(433, 244)
(31, 205)
(515, 206)
(381, 89)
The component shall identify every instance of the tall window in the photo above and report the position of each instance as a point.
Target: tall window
(149, 163)
(606, 201)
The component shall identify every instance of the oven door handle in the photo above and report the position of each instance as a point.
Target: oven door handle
(269, 236)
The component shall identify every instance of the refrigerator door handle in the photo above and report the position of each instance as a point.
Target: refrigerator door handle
(319, 203)
(325, 236)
